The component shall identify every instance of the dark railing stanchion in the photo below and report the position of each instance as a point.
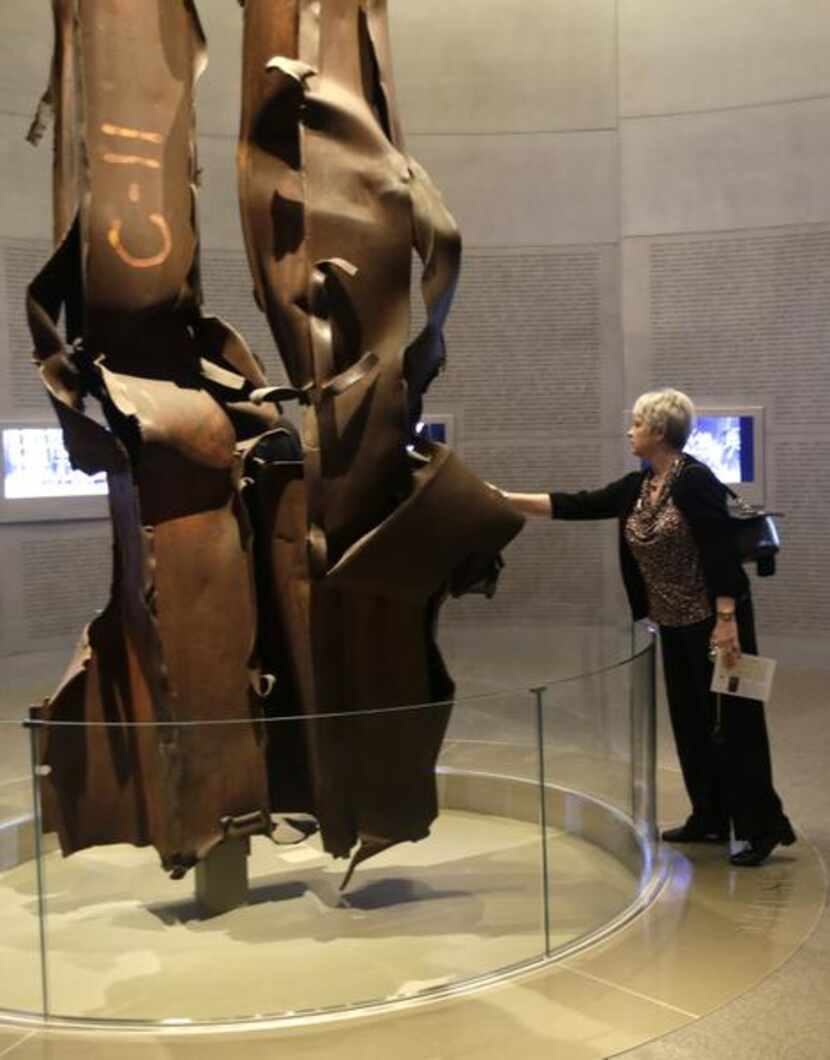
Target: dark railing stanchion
(649, 751)
(539, 694)
(37, 828)
(642, 703)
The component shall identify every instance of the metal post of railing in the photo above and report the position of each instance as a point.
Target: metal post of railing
(650, 748)
(643, 737)
(37, 827)
(635, 716)
(539, 694)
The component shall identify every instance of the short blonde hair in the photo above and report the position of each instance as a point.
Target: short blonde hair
(669, 411)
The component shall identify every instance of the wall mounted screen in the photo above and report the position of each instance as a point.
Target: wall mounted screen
(37, 481)
(438, 427)
(731, 442)
(36, 464)
(726, 444)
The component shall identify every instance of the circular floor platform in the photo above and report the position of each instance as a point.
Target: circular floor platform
(124, 942)
(712, 933)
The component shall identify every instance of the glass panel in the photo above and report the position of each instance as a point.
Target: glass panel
(128, 942)
(594, 859)
(587, 736)
(490, 656)
(20, 940)
(46, 603)
(504, 876)
(644, 741)
(490, 780)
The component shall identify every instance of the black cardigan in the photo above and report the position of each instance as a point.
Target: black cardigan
(699, 495)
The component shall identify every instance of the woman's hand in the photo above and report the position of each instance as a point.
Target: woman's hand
(724, 640)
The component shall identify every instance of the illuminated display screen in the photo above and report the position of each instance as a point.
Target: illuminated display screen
(36, 465)
(435, 430)
(726, 445)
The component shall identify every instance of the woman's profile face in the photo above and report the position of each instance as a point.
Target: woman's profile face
(642, 438)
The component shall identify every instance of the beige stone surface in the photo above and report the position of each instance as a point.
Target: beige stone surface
(643, 983)
(125, 942)
(741, 923)
(544, 1016)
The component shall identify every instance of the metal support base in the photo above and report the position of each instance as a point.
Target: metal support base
(222, 877)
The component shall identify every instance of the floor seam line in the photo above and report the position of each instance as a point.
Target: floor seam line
(633, 993)
(11, 1048)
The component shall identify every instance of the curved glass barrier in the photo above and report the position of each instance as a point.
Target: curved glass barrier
(544, 837)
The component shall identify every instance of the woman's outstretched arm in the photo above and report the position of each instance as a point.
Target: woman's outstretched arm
(531, 503)
(605, 503)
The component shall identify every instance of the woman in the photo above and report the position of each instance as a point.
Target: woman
(680, 567)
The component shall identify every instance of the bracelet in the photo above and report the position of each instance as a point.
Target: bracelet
(726, 616)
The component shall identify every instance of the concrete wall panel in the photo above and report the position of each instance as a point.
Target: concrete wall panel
(527, 190)
(726, 170)
(681, 56)
(218, 90)
(26, 175)
(505, 67)
(25, 54)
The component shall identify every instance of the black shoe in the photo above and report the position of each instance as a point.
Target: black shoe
(696, 831)
(761, 847)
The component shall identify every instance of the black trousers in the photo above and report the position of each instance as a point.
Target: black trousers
(725, 762)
